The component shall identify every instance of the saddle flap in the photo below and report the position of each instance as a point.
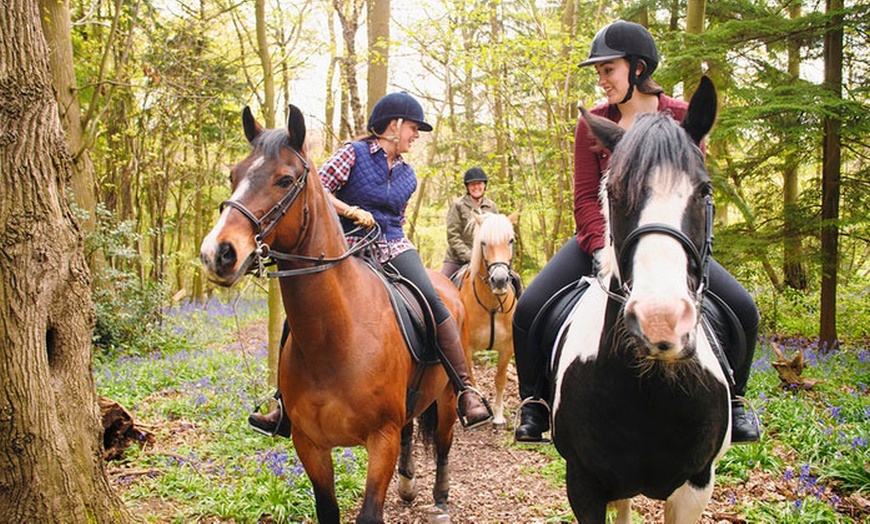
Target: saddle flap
(413, 314)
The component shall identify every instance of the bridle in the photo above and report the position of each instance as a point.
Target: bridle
(700, 258)
(264, 255)
(502, 306)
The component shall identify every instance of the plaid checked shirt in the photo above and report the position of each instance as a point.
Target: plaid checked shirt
(334, 174)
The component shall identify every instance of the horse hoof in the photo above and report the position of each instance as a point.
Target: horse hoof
(500, 426)
(407, 489)
(438, 514)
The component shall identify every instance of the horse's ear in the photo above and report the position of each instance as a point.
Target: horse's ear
(513, 217)
(296, 127)
(701, 114)
(479, 218)
(607, 132)
(252, 128)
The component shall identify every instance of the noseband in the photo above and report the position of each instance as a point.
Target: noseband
(265, 224)
(701, 259)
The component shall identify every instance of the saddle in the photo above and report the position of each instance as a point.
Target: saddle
(459, 275)
(415, 317)
(720, 324)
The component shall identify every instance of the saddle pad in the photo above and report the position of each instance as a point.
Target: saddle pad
(415, 317)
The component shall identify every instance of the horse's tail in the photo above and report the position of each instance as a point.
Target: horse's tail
(428, 424)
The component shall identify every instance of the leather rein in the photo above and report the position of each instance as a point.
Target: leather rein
(501, 307)
(264, 255)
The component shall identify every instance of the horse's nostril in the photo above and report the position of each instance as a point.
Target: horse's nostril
(226, 255)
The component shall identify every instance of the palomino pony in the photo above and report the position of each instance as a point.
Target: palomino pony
(346, 374)
(487, 290)
(640, 398)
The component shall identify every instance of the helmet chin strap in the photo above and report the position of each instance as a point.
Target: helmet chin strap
(632, 78)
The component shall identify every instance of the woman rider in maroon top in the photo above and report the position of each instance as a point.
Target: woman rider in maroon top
(624, 55)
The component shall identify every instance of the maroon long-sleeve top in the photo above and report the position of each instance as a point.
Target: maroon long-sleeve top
(590, 162)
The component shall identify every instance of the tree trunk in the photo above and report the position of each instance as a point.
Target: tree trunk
(276, 307)
(831, 180)
(56, 25)
(51, 467)
(379, 50)
(695, 13)
(348, 12)
(794, 270)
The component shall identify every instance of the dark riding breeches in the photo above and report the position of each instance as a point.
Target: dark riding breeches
(409, 265)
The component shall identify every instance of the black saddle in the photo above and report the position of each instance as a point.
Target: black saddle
(720, 323)
(415, 317)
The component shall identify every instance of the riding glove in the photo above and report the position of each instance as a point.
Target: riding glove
(360, 217)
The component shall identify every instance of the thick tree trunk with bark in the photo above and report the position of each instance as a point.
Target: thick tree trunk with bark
(51, 467)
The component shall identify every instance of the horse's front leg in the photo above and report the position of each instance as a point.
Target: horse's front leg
(407, 470)
(319, 468)
(505, 352)
(687, 503)
(443, 443)
(383, 450)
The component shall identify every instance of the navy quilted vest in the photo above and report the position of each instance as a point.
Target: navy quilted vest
(380, 191)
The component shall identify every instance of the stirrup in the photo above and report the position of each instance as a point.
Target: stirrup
(544, 440)
(751, 413)
(462, 419)
(276, 398)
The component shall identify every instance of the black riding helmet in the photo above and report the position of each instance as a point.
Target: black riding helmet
(396, 105)
(627, 40)
(475, 174)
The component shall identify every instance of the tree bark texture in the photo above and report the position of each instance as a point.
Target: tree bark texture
(51, 468)
(379, 50)
(831, 181)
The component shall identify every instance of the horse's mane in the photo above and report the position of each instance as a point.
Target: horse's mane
(496, 229)
(654, 142)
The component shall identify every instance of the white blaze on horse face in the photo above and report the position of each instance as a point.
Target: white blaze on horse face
(220, 233)
(660, 297)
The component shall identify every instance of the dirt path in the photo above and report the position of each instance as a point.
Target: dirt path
(493, 480)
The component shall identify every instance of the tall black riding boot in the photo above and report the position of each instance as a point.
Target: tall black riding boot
(473, 412)
(534, 412)
(745, 427)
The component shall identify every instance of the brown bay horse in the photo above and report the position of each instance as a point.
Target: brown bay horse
(346, 371)
(488, 293)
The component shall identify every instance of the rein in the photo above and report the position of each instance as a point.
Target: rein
(500, 308)
(265, 224)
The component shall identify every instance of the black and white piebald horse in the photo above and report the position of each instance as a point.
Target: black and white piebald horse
(640, 399)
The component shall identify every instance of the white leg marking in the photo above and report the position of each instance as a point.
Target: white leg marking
(686, 504)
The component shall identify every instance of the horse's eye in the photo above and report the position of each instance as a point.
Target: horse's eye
(285, 181)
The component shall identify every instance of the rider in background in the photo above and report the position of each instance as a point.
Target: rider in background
(370, 182)
(624, 55)
(460, 220)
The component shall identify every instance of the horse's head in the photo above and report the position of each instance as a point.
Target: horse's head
(657, 199)
(265, 186)
(493, 250)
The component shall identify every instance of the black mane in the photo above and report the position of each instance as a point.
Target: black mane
(655, 140)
